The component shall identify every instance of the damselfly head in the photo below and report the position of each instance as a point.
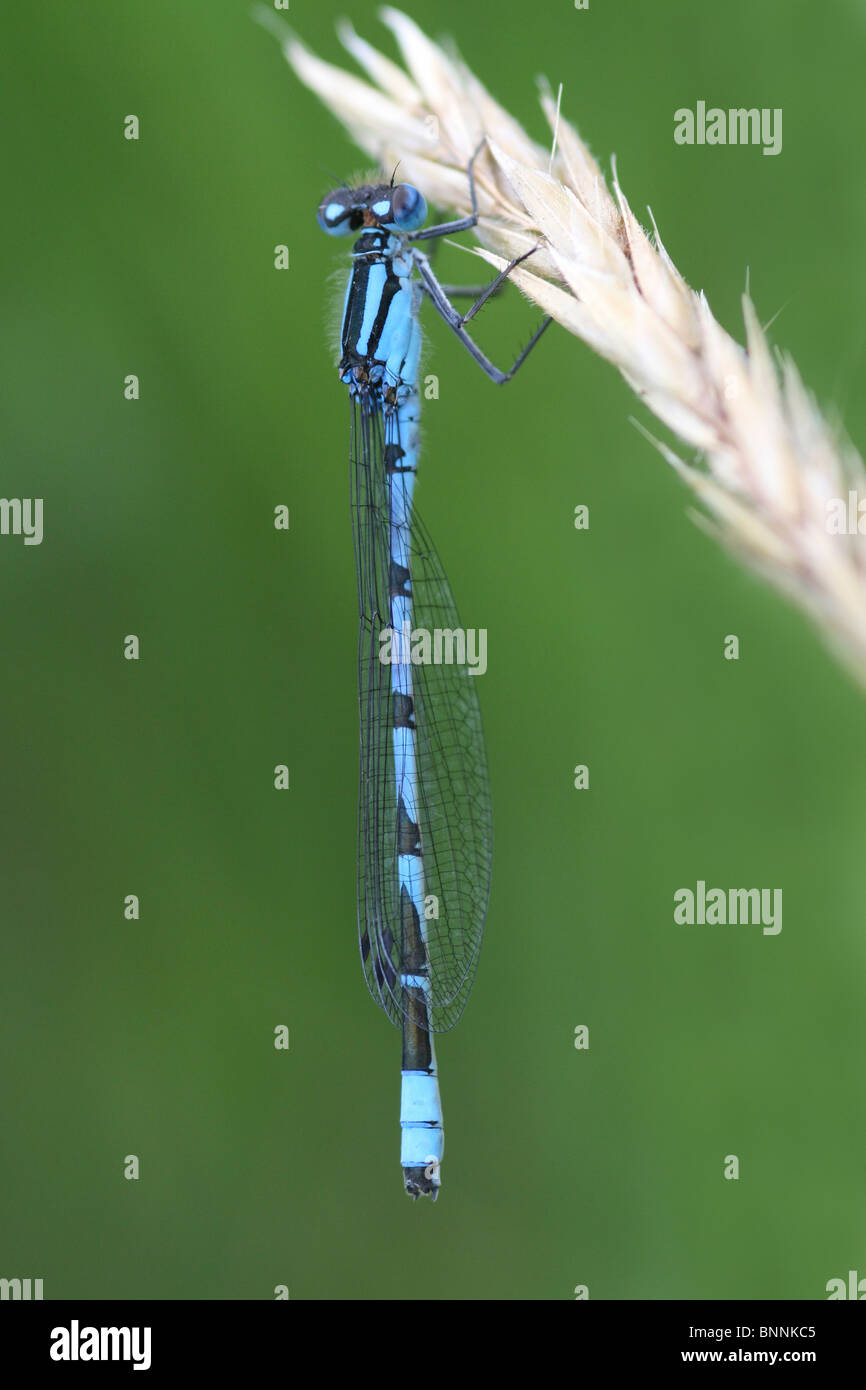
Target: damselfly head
(396, 208)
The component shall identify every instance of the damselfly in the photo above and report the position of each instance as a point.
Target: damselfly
(425, 819)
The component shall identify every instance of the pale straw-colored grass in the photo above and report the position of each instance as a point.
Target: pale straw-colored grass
(764, 463)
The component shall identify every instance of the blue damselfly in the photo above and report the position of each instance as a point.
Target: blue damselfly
(425, 818)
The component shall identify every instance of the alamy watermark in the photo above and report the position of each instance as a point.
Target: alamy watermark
(845, 516)
(23, 1289)
(739, 125)
(712, 907)
(852, 1287)
(77, 1343)
(22, 516)
(439, 646)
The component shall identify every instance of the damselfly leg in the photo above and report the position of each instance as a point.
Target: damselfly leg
(456, 322)
(441, 295)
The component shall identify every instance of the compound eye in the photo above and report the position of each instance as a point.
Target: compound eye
(408, 208)
(333, 216)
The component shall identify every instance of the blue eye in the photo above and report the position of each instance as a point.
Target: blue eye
(334, 217)
(408, 208)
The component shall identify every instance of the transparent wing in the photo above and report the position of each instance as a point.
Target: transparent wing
(454, 812)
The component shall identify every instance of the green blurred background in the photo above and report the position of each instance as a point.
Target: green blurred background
(156, 778)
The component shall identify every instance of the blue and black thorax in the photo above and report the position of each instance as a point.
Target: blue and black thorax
(380, 338)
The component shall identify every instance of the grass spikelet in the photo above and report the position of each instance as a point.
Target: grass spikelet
(764, 463)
